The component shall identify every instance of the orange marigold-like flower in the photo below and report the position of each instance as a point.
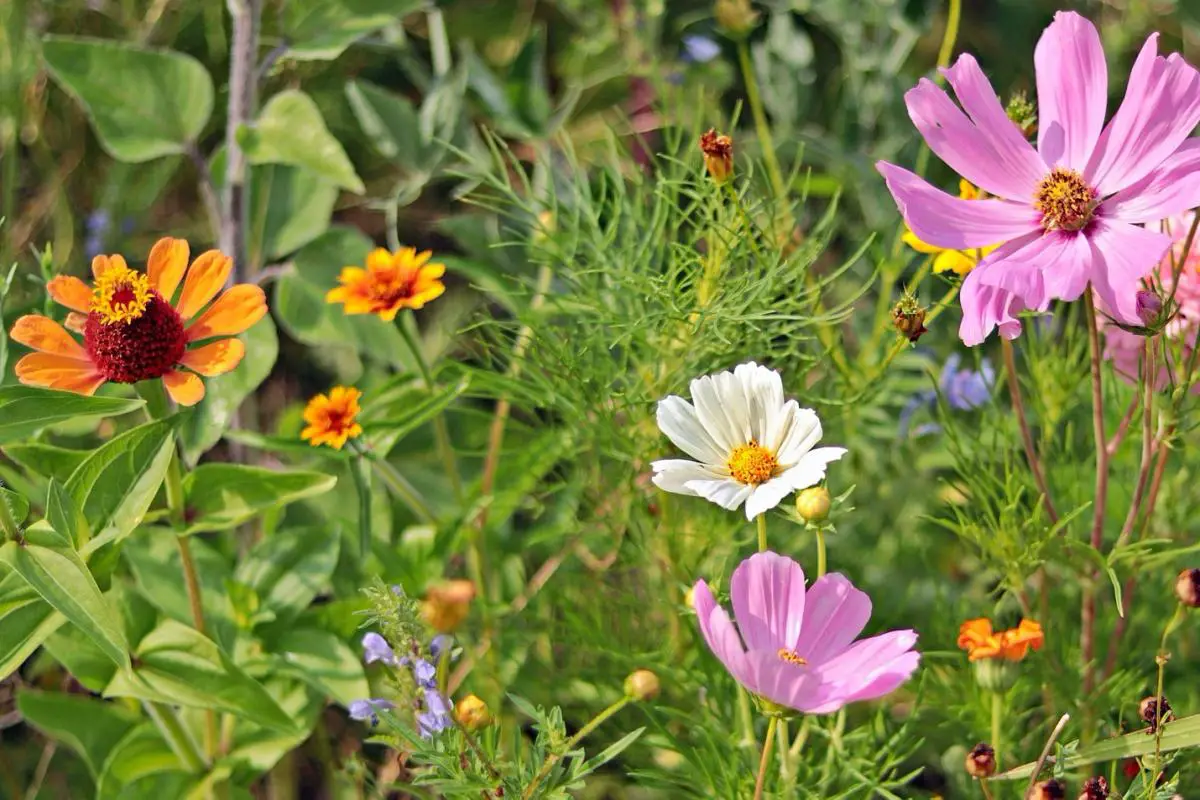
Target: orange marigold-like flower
(390, 282)
(977, 638)
(447, 603)
(133, 332)
(333, 419)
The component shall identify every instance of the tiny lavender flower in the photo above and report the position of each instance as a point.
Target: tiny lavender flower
(376, 648)
(700, 49)
(436, 716)
(369, 709)
(964, 390)
(799, 645)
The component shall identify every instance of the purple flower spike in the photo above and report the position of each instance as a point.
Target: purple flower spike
(376, 648)
(436, 717)
(799, 645)
(369, 709)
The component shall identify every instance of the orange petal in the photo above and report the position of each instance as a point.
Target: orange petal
(58, 372)
(69, 291)
(166, 265)
(46, 335)
(234, 312)
(100, 264)
(377, 259)
(185, 388)
(205, 278)
(216, 358)
(431, 272)
(974, 632)
(75, 322)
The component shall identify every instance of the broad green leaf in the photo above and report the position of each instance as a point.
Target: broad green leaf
(302, 309)
(1176, 735)
(80, 656)
(204, 427)
(291, 567)
(143, 102)
(65, 515)
(91, 728)
(390, 122)
(323, 661)
(47, 460)
(140, 754)
(18, 506)
(285, 444)
(116, 484)
(258, 748)
(223, 496)
(59, 575)
(177, 665)
(26, 409)
(291, 130)
(22, 630)
(320, 261)
(323, 29)
(414, 412)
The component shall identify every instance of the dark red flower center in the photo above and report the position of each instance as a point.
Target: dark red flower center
(139, 349)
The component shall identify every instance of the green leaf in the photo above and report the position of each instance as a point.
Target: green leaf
(321, 260)
(325, 662)
(223, 496)
(46, 460)
(86, 662)
(291, 130)
(143, 103)
(22, 630)
(62, 579)
(65, 515)
(323, 29)
(414, 414)
(91, 728)
(302, 309)
(177, 665)
(1176, 735)
(18, 506)
(290, 208)
(203, 428)
(26, 409)
(290, 567)
(5, 285)
(116, 484)
(391, 124)
(140, 754)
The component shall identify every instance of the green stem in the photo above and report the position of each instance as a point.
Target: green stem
(178, 739)
(441, 433)
(761, 520)
(746, 718)
(1088, 609)
(997, 716)
(820, 553)
(768, 742)
(761, 127)
(361, 472)
(403, 490)
(579, 736)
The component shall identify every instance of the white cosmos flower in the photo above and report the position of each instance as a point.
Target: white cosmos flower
(749, 445)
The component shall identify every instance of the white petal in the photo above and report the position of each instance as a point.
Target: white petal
(767, 495)
(779, 422)
(726, 492)
(673, 474)
(801, 432)
(764, 394)
(735, 404)
(710, 410)
(677, 419)
(811, 468)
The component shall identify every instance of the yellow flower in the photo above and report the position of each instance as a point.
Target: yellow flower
(960, 262)
(389, 283)
(332, 418)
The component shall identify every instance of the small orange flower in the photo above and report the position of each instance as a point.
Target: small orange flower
(447, 603)
(390, 282)
(977, 638)
(131, 330)
(333, 419)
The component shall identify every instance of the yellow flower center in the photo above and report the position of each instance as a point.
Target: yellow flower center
(790, 657)
(120, 295)
(752, 463)
(1065, 200)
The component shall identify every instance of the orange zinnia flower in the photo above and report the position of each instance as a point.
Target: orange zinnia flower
(332, 418)
(131, 330)
(390, 282)
(976, 637)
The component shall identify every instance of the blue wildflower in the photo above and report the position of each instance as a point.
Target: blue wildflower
(700, 49)
(369, 709)
(376, 648)
(436, 716)
(440, 642)
(964, 390)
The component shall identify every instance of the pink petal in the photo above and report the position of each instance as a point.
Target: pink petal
(868, 680)
(718, 630)
(1055, 266)
(992, 162)
(865, 656)
(984, 306)
(1161, 106)
(1122, 255)
(1170, 189)
(768, 601)
(834, 613)
(1072, 90)
(793, 685)
(1024, 167)
(945, 221)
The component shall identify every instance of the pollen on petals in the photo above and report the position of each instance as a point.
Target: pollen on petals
(120, 295)
(333, 419)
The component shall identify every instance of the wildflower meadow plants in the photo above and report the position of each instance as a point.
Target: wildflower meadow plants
(556, 402)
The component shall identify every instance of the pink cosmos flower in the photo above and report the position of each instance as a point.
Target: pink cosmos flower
(1124, 349)
(1066, 214)
(797, 648)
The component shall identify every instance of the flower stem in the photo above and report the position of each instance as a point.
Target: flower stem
(441, 433)
(1014, 392)
(1087, 612)
(1149, 379)
(820, 552)
(579, 736)
(997, 715)
(178, 739)
(404, 490)
(768, 741)
(361, 473)
(1161, 660)
(746, 718)
(761, 127)
(761, 521)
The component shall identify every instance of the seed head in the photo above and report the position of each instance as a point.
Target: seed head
(718, 155)
(981, 761)
(813, 504)
(1154, 711)
(1187, 587)
(1049, 790)
(642, 685)
(1094, 789)
(908, 317)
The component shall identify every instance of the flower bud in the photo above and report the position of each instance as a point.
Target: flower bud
(736, 18)
(813, 504)
(908, 317)
(1094, 789)
(718, 155)
(1154, 711)
(1149, 307)
(981, 761)
(641, 685)
(1049, 790)
(1187, 587)
(1023, 114)
(689, 597)
(996, 674)
(447, 603)
(473, 713)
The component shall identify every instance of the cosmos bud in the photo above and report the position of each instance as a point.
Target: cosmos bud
(1049, 790)
(473, 713)
(735, 18)
(981, 761)
(1149, 307)
(1154, 711)
(1187, 587)
(641, 685)
(908, 317)
(813, 504)
(718, 155)
(1094, 789)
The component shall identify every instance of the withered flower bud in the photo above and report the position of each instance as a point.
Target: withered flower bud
(718, 155)
(1094, 789)
(735, 18)
(1154, 711)
(908, 317)
(981, 761)
(1187, 587)
(1049, 790)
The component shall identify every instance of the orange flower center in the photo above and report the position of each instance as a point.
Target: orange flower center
(1065, 199)
(791, 658)
(120, 295)
(752, 464)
